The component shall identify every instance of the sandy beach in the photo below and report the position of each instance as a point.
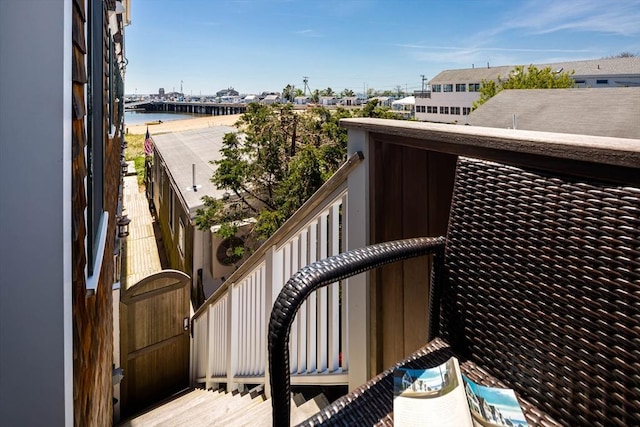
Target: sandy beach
(186, 124)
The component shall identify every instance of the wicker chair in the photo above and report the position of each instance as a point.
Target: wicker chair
(536, 287)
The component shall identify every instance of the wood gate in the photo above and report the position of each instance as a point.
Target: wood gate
(154, 339)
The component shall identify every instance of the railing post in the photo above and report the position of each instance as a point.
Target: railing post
(269, 280)
(207, 352)
(357, 289)
(232, 337)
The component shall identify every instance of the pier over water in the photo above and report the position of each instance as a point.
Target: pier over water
(210, 108)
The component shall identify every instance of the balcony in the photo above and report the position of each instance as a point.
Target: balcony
(397, 184)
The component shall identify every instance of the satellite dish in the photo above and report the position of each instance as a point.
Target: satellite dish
(226, 253)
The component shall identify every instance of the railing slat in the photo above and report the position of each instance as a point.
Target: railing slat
(312, 303)
(322, 297)
(344, 294)
(333, 303)
(302, 313)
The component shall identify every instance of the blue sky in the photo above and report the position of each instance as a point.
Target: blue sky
(263, 45)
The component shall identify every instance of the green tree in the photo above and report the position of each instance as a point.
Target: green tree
(371, 92)
(327, 92)
(531, 78)
(315, 96)
(289, 93)
(372, 109)
(277, 161)
(347, 92)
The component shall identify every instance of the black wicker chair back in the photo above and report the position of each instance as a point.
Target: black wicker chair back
(543, 289)
(537, 287)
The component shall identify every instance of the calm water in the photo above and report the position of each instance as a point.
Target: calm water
(140, 118)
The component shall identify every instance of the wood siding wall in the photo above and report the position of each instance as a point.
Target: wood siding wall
(162, 195)
(92, 315)
(410, 197)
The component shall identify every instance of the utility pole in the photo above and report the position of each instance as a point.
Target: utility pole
(423, 79)
(181, 86)
(305, 79)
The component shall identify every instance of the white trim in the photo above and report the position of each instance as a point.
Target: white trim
(92, 281)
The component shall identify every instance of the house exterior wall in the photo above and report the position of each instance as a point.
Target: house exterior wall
(56, 342)
(164, 194)
(36, 333)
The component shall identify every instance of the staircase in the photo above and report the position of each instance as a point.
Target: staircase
(200, 407)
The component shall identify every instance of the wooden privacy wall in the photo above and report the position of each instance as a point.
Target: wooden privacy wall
(410, 196)
(154, 339)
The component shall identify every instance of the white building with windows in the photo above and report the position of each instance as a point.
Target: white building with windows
(452, 93)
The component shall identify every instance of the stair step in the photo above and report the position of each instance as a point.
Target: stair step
(160, 413)
(206, 408)
(308, 409)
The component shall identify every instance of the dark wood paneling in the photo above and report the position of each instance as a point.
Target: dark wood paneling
(415, 205)
(410, 196)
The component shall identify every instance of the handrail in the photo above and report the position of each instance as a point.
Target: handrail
(315, 276)
(333, 183)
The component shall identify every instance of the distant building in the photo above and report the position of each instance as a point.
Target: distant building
(271, 99)
(227, 92)
(405, 106)
(613, 111)
(301, 100)
(383, 101)
(453, 92)
(250, 98)
(328, 100)
(161, 92)
(348, 101)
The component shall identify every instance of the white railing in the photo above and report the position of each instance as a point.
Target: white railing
(229, 343)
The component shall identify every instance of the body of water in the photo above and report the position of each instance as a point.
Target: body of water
(140, 118)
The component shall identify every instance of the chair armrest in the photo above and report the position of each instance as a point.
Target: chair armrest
(315, 276)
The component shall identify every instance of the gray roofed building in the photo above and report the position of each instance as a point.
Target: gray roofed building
(611, 112)
(471, 74)
(170, 188)
(452, 92)
(179, 151)
(592, 67)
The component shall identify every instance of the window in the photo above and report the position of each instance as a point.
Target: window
(455, 110)
(461, 87)
(444, 110)
(448, 88)
(602, 81)
(172, 209)
(181, 237)
(436, 88)
(95, 133)
(466, 111)
(580, 82)
(421, 108)
(474, 87)
(432, 110)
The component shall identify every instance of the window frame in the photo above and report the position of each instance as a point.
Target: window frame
(95, 215)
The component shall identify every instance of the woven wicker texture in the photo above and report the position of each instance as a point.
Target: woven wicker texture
(544, 289)
(372, 403)
(540, 291)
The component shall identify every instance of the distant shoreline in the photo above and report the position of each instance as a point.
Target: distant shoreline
(184, 124)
